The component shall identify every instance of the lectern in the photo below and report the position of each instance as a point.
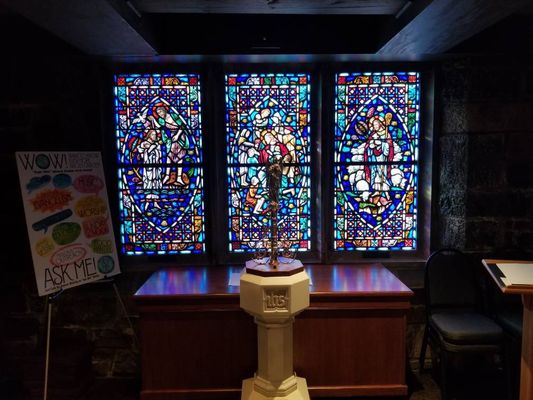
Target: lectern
(526, 290)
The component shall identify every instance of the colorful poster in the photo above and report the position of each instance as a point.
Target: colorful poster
(68, 218)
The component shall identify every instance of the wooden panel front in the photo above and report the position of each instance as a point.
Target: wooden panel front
(198, 343)
(202, 349)
(350, 348)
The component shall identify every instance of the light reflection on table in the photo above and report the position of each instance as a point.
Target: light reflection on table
(349, 278)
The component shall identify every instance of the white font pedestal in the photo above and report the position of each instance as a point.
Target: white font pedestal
(274, 299)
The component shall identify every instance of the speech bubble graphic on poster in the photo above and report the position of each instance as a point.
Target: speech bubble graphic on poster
(90, 206)
(102, 245)
(88, 184)
(62, 181)
(38, 182)
(44, 246)
(95, 226)
(106, 264)
(68, 219)
(66, 232)
(51, 200)
(68, 254)
(45, 223)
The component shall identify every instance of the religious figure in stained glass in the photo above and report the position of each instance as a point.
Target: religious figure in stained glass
(177, 142)
(160, 163)
(376, 148)
(375, 177)
(150, 150)
(267, 120)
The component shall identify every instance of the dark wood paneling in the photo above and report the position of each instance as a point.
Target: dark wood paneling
(197, 350)
(350, 347)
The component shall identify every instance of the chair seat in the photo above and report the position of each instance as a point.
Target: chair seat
(511, 321)
(465, 327)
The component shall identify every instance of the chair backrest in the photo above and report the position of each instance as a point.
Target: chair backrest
(449, 280)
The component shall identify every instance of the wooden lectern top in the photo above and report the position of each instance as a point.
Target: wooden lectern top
(491, 265)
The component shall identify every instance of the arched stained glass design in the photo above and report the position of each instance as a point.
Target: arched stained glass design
(377, 119)
(159, 143)
(268, 118)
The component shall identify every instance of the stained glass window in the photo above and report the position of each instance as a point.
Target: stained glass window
(159, 143)
(268, 118)
(377, 118)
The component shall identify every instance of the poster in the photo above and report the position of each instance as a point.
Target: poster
(68, 218)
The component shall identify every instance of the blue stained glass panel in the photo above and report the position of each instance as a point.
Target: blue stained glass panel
(159, 152)
(377, 120)
(268, 118)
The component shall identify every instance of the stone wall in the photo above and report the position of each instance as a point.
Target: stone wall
(485, 188)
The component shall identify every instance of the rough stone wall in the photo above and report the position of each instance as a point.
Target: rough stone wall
(485, 200)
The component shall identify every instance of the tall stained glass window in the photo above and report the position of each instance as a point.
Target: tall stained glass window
(267, 119)
(377, 130)
(159, 143)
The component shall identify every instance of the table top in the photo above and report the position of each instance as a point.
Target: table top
(339, 279)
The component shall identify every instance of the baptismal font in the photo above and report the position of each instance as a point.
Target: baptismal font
(274, 289)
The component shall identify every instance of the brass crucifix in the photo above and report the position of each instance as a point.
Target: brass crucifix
(274, 170)
(273, 248)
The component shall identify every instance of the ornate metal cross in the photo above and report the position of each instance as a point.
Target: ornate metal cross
(273, 184)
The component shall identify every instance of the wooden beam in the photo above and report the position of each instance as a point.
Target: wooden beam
(376, 7)
(97, 27)
(446, 23)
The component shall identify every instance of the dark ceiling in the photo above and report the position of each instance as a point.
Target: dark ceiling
(260, 33)
(511, 35)
(387, 29)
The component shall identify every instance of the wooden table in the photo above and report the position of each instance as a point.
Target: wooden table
(197, 343)
(526, 367)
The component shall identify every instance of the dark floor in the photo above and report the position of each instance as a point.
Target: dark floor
(469, 384)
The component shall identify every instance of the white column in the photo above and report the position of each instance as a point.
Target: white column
(274, 301)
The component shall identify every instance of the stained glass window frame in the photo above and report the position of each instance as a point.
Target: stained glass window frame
(313, 253)
(425, 166)
(199, 255)
(322, 104)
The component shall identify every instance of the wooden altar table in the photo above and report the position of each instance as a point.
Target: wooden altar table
(196, 342)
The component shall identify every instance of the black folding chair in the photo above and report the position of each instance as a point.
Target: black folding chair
(455, 323)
